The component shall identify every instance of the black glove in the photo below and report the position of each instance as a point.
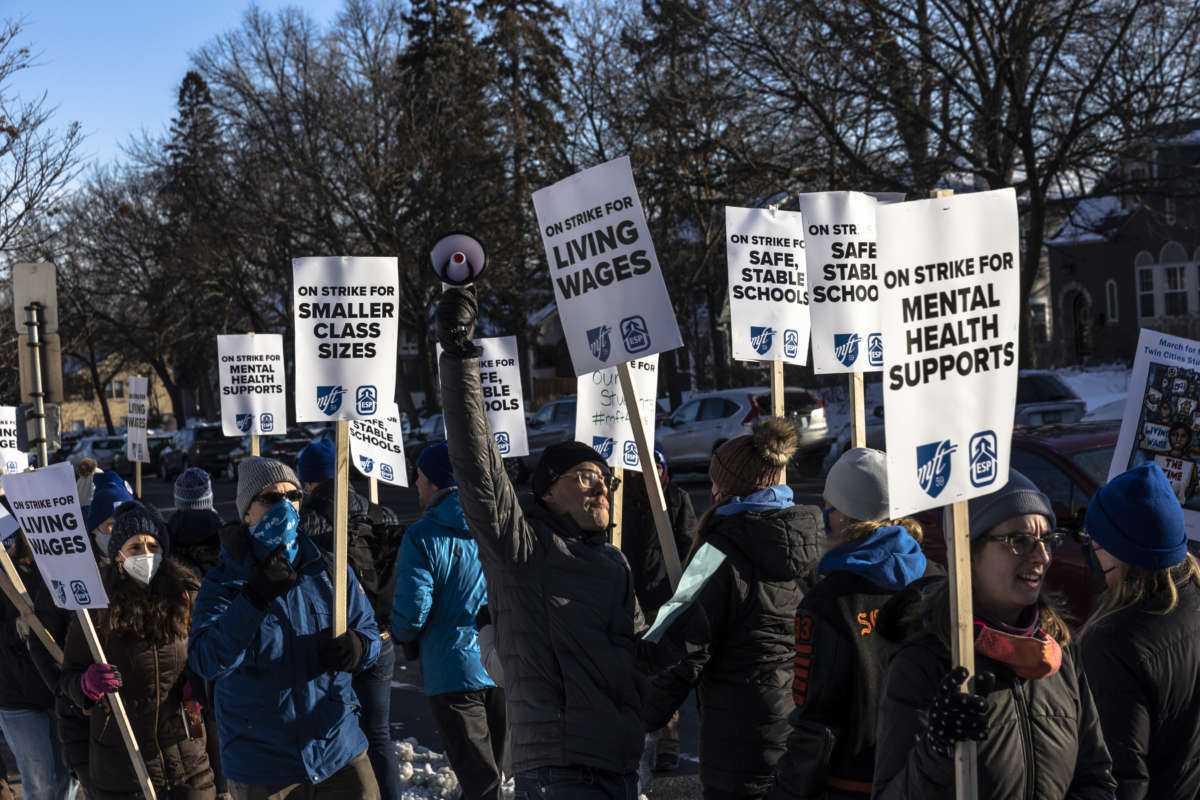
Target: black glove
(957, 717)
(270, 579)
(343, 653)
(456, 314)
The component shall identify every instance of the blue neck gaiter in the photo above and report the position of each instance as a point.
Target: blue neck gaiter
(279, 526)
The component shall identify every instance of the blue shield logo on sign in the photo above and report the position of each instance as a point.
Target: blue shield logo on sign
(875, 349)
(243, 422)
(845, 348)
(603, 445)
(502, 442)
(60, 591)
(266, 421)
(385, 472)
(761, 338)
(366, 463)
(600, 342)
(630, 454)
(791, 343)
(933, 466)
(365, 399)
(984, 459)
(329, 399)
(634, 334)
(80, 590)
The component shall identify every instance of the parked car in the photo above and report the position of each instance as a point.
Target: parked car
(101, 448)
(155, 444)
(201, 445)
(554, 422)
(698, 427)
(281, 448)
(1043, 398)
(431, 430)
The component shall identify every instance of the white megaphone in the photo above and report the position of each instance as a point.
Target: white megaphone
(458, 259)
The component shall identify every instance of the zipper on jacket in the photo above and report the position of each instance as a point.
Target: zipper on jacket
(1026, 729)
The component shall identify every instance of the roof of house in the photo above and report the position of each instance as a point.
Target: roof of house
(1092, 220)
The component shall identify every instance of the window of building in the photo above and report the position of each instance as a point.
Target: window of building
(1110, 302)
(1175, 291)
(115, 390)
(1145, 292)
(1169, 210)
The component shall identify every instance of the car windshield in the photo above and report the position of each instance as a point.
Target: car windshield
(1042, 388)
(1095, 462)
(109, 444)
(209, 434)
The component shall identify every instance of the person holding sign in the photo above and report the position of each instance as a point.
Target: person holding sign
(262, 631)
(144, 632)
(562, 597)
(1141, 649)
(1030, 707)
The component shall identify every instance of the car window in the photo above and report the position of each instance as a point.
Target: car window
(209, 434)
(1095, 462)
(109, 444)
(564, 413)
(715, 408)
(1040, 388)
(686, 412)
(1053, 482)
(544, 414)
(429, 426)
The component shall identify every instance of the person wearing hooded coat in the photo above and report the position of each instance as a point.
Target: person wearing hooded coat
(1141, 649)
(733, 639)
(840, 656)
(108, 494)
(1030, 707)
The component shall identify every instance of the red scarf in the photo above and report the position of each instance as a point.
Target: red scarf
(1030, 657)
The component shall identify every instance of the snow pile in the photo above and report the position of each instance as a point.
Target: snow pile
(1100, 387)
(426, 774)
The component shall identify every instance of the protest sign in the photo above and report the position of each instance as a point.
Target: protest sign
(377, 447)
(346, 335)
(8, 527)
(12, 456)
(612, 300)
(949, 272)
(1162, 418)
(768, 284)
(137, 420)
(503, 398)
(253, 384)
(45, 504)
(601, 418)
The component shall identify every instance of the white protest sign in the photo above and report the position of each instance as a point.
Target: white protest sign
(768, 284)
(949, 269)
(8, 527)
(612, 300)
(137, 420)
(346, 336)
(45, 504)
(253, 384)
(601, 418)
(12, 457)
(1161, 423)
(844, 278)
(503, 398)
(377, 447)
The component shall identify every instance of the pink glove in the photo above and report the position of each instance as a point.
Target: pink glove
(99, 680)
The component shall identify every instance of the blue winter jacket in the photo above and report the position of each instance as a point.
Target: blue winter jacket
(281, 717)
(439, 591)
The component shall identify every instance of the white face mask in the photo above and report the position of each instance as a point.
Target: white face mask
(143, 567)
(102, 544)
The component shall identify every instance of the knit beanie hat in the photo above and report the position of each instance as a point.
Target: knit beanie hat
(254, 474)
(558, 459)
(1137, 518)
(108, 492)
(133, 519)
(857, 485)
(316, 461)
(754, 461)
(193, 490)
(434, 462)
(1017, 497)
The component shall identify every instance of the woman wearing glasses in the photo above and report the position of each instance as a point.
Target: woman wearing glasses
(1141, 650)
(1030, 708)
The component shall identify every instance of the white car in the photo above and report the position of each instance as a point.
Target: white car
(101, 448)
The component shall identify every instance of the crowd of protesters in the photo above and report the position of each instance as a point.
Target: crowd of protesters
(816, 641)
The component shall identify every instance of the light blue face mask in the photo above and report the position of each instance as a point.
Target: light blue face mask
(279, 526)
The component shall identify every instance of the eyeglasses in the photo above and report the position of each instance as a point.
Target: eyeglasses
(590, 480)
(273, 498)
(1023, 544)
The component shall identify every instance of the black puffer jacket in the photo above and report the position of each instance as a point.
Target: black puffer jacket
(737, 639)
(195, 539)
(1144, 669)
(153, 679)
(21, 688)
(639, 540)
(72, 722)
(562, 601)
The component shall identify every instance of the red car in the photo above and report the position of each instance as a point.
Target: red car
(1068, 462)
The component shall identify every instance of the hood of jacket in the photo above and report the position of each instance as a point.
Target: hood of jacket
(194, 525)
(775, 535)
(445, 509)
(889, 557)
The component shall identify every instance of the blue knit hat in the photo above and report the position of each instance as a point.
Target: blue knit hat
(316, 461)
(434, 462)
(1137, 518)
(193, 490)
(133, 519)
(109, 493)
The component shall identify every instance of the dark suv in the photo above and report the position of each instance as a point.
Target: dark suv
(203, 445)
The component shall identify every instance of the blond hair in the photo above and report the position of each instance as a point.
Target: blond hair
(1156, 589)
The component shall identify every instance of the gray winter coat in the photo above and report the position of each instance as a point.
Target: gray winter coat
(562, 601)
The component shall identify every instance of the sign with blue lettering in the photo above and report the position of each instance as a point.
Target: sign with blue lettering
(601, 418)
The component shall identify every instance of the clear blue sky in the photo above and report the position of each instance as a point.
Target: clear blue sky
(115, 66)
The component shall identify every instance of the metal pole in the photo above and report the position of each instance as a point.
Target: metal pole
(34, 323)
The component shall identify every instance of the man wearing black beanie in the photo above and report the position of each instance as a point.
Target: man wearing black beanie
(561, 598)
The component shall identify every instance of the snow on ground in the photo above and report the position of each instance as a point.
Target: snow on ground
(1104, 388)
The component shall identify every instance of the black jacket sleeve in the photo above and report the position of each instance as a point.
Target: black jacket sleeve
(56, 621)
(905, 767)
(76, 659)
(683, 522)
(1094, 767)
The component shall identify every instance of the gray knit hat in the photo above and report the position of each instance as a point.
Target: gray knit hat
(1017, 497)
(255, 473)
(193, 490)
(857, 485)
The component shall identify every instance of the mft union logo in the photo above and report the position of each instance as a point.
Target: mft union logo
(60, 591)
(603, 445)
(600, 342)
(791, 343)
(984, 459)
(634, 334)
(385, 472)
(875, 349)
(329, 399)
(366, 399)
(366, 463)
(933, 466)
(630, 454)
(243, 422)
(761, 338)
(845, 347)
(503, 444)
(266, 422)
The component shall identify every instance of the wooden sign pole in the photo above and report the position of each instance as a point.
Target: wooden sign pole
(654, 490)
(117, 707)
(137, 479)
(617, 505)
(777, 404)
(14, 589)
(373, 490)
(254, 450)
(858, 416)
(341, 507)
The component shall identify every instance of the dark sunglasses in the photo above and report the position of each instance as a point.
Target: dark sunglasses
(273, 498)
(1023, 544)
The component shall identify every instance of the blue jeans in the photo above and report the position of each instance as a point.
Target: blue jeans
(575, 783)
(374, 690)
(31, 736)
